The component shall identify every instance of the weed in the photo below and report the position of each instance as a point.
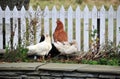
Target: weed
(15, 55)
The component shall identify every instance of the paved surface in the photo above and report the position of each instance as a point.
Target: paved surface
(19, 66)
(100, 69)
(61, 67)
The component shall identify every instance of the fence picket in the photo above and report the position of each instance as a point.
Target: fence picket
(31, 13)
(94, 19)
(94, 27)
(70, 24)
(15, 27)
(118, 27)
(31, 20)
(1, 13)
(38, 25)
(86, 29)
(102, 25)
(110, 24)
(46, 20)
(54, 17)
(7, 26)
(78, 27)
(23, 25)
(62, 15)
(1, 30)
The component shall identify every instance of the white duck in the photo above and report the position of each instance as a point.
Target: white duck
(66, 48)
(41, 48)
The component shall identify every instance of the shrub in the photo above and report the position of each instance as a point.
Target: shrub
(15, 55)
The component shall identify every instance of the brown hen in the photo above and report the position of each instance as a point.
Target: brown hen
(59, 33)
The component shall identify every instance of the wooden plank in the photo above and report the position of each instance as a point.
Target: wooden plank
(94, 28)
(94, 19)
(31, 13)
(110, 24)
(102, 25)
(15, 27)
(54, 17)
(7, 27)
(31, 18)
(86, 29)
(70, 24)
(62, 15)
(118, 27)
(23, 26)
(38, 25)
(46, 20)
(1, 29)
(1, 13)
(78, 27)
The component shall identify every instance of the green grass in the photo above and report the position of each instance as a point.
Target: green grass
(102, 61)
(74, 3)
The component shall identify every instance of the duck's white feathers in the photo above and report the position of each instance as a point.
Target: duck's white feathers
(66, 48)
(72, 49)
(41, 48)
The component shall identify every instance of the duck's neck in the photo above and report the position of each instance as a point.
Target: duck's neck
(48, 39)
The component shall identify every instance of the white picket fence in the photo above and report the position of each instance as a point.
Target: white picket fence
(78, 19)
